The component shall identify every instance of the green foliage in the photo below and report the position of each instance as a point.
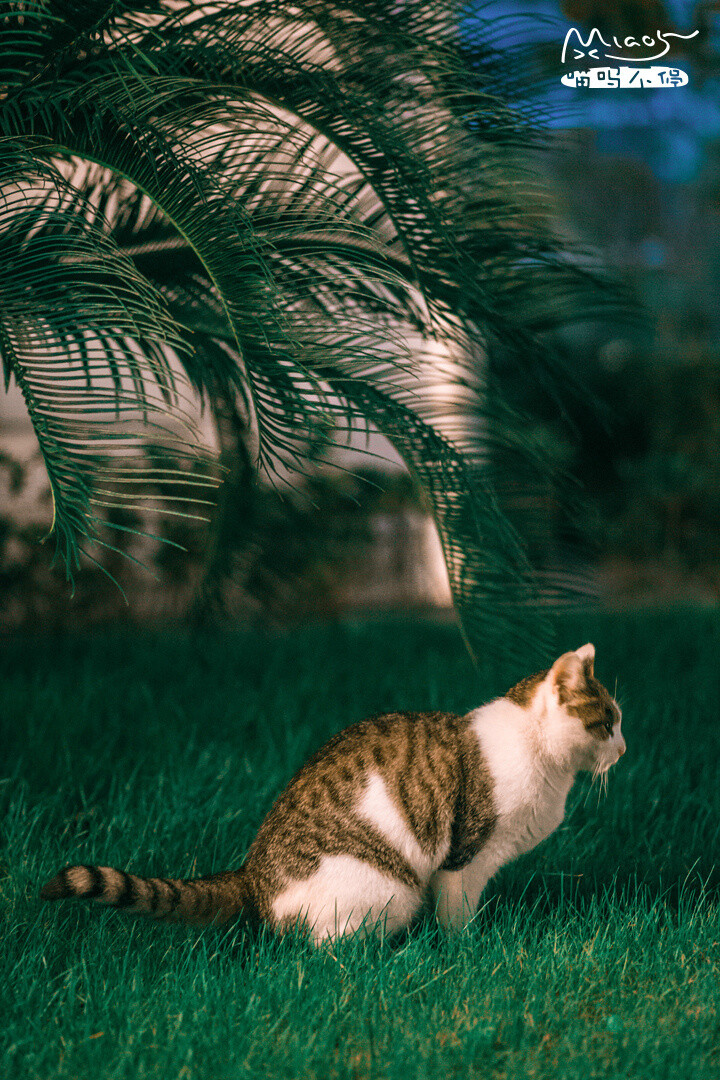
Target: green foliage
(666, 502)
(648, 461)
(596, 956)
(297, 209)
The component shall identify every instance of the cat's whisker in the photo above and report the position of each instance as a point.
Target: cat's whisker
(589, 790)
(593, 777)
(600, 773)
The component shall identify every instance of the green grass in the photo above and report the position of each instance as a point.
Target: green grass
(597, 955)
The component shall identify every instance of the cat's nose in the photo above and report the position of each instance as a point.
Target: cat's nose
(621, 749)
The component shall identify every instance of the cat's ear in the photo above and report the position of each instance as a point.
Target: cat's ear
(587, 655)
(570, 670)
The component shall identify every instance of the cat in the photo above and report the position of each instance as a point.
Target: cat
(397, 808)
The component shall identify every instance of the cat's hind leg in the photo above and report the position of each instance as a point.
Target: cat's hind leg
(346, 895)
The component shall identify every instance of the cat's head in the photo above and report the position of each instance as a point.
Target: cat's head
(579, 719)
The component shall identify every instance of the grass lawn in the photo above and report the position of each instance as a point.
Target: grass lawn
(597, 955)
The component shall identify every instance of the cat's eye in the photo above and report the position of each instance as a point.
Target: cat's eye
(607, 723)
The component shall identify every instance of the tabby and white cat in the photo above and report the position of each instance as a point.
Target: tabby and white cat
(397, 806)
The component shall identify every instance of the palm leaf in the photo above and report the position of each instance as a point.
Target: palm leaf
(91, 347)
(309, 203)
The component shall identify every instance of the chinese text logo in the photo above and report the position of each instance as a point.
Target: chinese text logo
(623, 76)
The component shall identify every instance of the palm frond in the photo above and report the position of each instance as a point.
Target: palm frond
(94, 352)
(305, 207)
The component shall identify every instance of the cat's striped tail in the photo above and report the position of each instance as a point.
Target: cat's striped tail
(216, 898)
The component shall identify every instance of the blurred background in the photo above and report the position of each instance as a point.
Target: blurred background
(633, 176)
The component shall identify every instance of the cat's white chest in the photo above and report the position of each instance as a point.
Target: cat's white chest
(529, 802)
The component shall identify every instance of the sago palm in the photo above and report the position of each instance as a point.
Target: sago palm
(310, 214)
